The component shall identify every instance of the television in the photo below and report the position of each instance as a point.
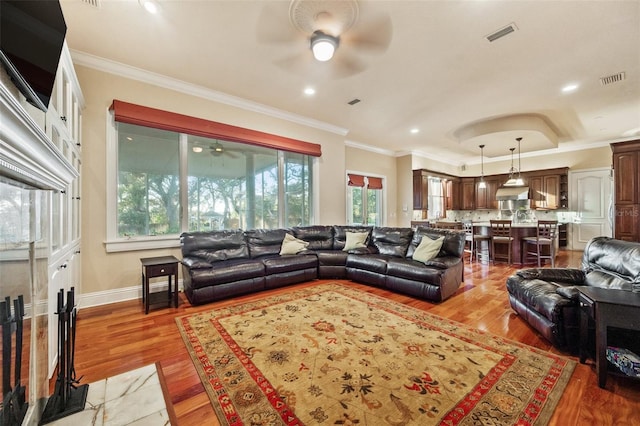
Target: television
(31, 39)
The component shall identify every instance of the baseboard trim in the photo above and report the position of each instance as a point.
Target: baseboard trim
(124, 294)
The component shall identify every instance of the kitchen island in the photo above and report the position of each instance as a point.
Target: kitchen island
(519, 231)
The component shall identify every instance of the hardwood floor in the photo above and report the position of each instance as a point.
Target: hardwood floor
(112, 339)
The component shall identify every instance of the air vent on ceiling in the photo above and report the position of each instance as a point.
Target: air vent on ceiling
(610, 79)
(502, 32)
(354, 101)
(92, 3)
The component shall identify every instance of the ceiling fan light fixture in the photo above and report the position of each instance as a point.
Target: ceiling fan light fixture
(323, 46)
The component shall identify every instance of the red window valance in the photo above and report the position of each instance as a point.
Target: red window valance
(374, 182)
(125, 112)
(355, 180)
(359, 180)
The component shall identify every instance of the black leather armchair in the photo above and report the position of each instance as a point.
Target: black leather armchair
(547, 298)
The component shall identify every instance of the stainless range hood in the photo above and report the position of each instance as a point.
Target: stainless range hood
(505, 193)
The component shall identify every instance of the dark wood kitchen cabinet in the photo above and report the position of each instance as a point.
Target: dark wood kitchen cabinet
(626, 166)
(420, 190)
(547, 189)
(486, 197)
(453, 194)
(468, 193)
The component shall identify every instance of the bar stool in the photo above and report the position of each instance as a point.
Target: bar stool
(467, 227)
(501, 234)
(482, 243)
(545, 236)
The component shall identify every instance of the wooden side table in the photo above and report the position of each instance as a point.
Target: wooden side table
(153, 267)
(607, 308)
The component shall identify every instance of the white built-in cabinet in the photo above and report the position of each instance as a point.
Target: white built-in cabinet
(63, 124)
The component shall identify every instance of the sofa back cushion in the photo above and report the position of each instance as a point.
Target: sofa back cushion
(392, 241)
(319, 237)
(340, 234)
(265, 242)
(214, 246)
(453, 244)
(612, 263)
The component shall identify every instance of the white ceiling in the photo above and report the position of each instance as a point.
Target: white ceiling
(438, 73)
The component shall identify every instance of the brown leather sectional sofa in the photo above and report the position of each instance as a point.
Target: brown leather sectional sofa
(222, 264)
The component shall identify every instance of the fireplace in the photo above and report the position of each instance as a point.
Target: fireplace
(32, 172)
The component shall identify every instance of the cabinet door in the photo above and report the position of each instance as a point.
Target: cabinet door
(492, 189)
(625, 166)
(481, 196)
(420, 190)
(536, 192)
(453, 195)
(627, 227)
(551, 185)
(468, 194)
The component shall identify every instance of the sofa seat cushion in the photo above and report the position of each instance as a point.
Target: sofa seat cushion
(372, 262)
(414, 270)
(540, 296)
(288, 263)
(227, 271)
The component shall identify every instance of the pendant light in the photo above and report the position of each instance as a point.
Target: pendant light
(482, 184)
(512, 180)
(519, 180)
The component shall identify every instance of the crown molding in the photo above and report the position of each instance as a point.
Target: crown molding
(133, 73)
(370, 148)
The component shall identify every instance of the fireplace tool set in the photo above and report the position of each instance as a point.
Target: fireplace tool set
(14, 402)
(68, 398)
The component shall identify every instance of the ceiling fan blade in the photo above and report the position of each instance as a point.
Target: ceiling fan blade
(274, 25)
(372, 34)
(344, 64)
(300, 63)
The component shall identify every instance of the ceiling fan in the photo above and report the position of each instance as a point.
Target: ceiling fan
(324, 36)
(217, 150)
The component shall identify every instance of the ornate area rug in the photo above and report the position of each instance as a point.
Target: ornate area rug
(334, 355)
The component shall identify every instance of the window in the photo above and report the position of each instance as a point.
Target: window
(436, 201)
(364, 200)
(169, 182)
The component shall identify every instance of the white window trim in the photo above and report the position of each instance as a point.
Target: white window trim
(349, 201)
(113, 243)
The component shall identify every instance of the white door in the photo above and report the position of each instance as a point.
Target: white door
(590, 199)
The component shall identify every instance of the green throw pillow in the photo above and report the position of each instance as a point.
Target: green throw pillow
(428, 249)
(292, 245)
(355, 240)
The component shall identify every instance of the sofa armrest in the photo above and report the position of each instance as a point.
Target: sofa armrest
(570, 292)
(196, 263)
(562, 275)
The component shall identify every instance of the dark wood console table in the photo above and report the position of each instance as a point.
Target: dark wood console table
(153, 267)
(607, 308)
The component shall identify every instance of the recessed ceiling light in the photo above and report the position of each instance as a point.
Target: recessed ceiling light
(150, 6)
(197, 149)
(129, 138)
(415, 130)
(569, 88)
(309, 91)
